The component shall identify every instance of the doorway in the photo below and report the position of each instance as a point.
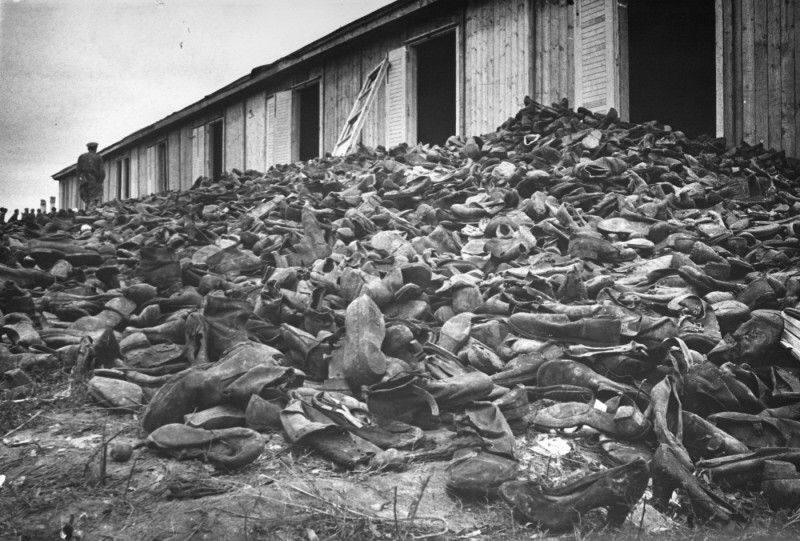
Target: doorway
(436, 89)
(308, 122)
(161, 167)
(215, 149)
(672, 62)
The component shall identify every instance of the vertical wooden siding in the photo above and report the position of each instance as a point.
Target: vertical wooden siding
(397, 94)
(593, 70)
(234, 137)
(283, 127)
(150, 156)
(497, 62)
(198, 152)
(761, 71)
(144, 171)
(186, 179)
(174, 160)
(112, 181)
(255, 132)
(553, 34)
(341, 82)
(135, 173)
(270, 131)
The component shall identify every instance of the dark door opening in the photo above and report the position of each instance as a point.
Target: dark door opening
(126, 178)
(120, 180)
(161, 167)
(215, 145)
(436, 89)
(672, 61)
(308, 123)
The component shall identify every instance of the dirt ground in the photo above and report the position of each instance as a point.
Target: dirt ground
(51, 475)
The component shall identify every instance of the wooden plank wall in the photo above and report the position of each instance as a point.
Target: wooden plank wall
(341, 82)
(270, 132)
(497, 62)
(397, 93)
(174, 160)
(150, 157)
(134, 155)
(144, 172)
(283, 127)
(185, 157)
(761, 71)
(198, 152)
(345, 74)
(255, 121)
(111, 182)
(374, 130)
(594, 62)
(553, 34)
(233, 135)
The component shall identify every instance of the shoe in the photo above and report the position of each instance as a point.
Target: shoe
(669, 473)
(752, 341)
(354, 416)
(228, 449)
(730, 314)
(593, 248)
(26, 278)
(558, 327)
(15, 299)
(561, 508)
(116, 394)
(522, 369)
(568, 372)
(757, 431)
(264, 415)
(159, 268)
(627, 423)
(704, 440)
(625, 452)
(364, 362)
(478, 474)
(781, 485)
(223, 324)
(216, 418)
(705, 283)
(183, 393)
(305, 424)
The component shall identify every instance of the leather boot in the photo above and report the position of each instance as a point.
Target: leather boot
(561, 508)
(670, 473)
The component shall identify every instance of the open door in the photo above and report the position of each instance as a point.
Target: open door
(215, 154)
(198, 152)
(152, 168)
(306, 122)
(269, 136)
(399, 99)
(422, 96)
(351, 132)
(282, 131)
(673, 64)
(601, 48)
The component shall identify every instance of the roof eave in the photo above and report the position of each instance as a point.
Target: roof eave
(357, 28)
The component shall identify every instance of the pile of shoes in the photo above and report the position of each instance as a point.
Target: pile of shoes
(432, 303)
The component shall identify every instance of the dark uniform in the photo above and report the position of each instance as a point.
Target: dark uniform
(91, 174)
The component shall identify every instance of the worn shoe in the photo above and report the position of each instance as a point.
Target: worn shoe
(479, 474)
(669, 473)
(558, 327)
(627, 423)
(617, 490)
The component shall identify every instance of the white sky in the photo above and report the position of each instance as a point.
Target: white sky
(74, 71)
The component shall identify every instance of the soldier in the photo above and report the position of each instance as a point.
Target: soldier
(91, 174)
